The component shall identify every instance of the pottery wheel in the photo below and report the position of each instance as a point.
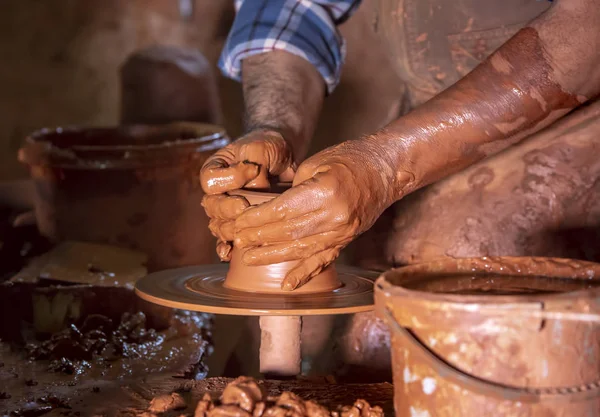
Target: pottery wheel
(200, 288)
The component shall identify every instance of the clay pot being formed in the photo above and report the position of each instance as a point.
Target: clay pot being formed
(268, 278)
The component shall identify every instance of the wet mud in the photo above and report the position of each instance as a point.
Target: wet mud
(246, 397)
(39, 376)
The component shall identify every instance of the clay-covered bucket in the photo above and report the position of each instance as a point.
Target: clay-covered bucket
(132, 186)
(494, 337)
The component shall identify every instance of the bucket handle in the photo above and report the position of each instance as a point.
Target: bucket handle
(487, 388)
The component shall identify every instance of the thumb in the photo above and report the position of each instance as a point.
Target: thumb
(216, 178)
(310, 169)
(288, 174)
(308, 268)
(261, 180)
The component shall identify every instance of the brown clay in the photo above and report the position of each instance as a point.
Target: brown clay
(523, 81)
(552, 210)
(84, 366)
(130, 186)
(229, 170)
(201, 289)
(520, 344)
(271, 278)
(339, 193)
(246, 397)
(412, 152)
(280, 350)
(535, 199)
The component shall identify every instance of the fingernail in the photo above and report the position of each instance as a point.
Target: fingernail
(251, 170)
(224, 252)
(248, 258)
(289, 284)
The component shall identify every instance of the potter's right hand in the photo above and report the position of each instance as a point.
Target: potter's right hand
(246, 163)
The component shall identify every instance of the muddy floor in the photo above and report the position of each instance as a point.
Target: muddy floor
(98, 357)
(76, 341)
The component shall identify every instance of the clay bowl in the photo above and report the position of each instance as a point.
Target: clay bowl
(268, 278)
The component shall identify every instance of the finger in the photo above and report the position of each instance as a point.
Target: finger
(224, 251)
(310, 168)
(284, 231)
(295, 202)
(291, 251)
(261, 181)
(214, 227)
(216, 177)
(288, 174)
(308, 268)
(223, 206)
(268, 149)
(222, 229)
(226, 230)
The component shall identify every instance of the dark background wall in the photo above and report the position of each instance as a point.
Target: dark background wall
(60, 61)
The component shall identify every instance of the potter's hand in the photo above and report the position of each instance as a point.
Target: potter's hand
(337, 194)
(245, 163)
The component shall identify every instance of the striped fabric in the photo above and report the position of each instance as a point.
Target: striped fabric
(306, 28)
(302, 27)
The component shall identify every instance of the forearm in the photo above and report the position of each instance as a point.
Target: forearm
(285, 93)
(545, 71)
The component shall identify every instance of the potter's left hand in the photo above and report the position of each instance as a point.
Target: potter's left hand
(337, 194)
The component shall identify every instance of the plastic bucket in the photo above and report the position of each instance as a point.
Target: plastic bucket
(131, 186)
(494, 337)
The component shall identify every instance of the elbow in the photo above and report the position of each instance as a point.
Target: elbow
(569, 32)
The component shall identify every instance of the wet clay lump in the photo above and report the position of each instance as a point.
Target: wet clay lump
(246, 397)
(269, 278)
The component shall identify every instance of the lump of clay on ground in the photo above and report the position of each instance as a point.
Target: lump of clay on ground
(361, 408)
(245, 397)
(289, 404)
(163, 403)
(244, 392)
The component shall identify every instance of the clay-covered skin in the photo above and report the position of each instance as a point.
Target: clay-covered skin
(327, 206)
(283, 95)
(546, 70)
(553, 209)
(245, 397)
(230, 169)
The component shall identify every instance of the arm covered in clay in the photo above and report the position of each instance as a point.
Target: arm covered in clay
(547, 69)
(288, 55)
